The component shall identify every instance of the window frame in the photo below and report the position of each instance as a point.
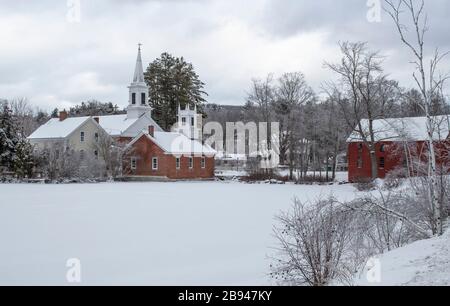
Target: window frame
(203, 162)
(191, 163)
(382, 163)
(153, 163)
(133, 98)
(360, 160)
(82, 136)
(143, 98)
(133, 163)
(178, 163)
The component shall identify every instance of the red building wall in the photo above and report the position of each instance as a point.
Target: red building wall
(359, 163)
(360, 168)
(144, 150)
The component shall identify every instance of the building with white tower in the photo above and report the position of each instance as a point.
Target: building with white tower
(148, 150)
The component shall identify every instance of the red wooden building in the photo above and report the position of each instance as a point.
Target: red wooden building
(401, 146)
(167, 155)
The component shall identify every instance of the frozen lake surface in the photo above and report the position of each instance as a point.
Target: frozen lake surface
(185, 233)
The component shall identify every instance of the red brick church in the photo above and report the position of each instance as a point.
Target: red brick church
(170, 155)
(401, 146)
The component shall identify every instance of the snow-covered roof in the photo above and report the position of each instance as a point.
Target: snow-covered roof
(114, 125)
(399, 129)
(177, 144)
(58, 129)
(225, 156)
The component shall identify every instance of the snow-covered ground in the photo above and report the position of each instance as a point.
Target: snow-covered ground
(423, 263)
(186, 233)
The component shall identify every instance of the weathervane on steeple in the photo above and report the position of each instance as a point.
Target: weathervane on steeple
(139, 45)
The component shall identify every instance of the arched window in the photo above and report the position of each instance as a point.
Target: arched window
(133, 98)
(382, 148)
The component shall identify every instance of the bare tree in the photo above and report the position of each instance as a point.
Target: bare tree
(261, 97)
(110, 152)
(24, 115)
(427, 78)
(292, 93)
(367, 88)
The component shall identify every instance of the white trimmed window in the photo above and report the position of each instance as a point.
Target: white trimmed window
(178, 163)
(155, 163)
(191, 162)
(82, 136)
(96, 137)
(203, 162)
(96, 154)
(133, 163)
(183, 121)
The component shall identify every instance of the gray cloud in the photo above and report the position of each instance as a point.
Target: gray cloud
(56, 63)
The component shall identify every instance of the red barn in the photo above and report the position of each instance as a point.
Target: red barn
(401, 145)
(167, 155)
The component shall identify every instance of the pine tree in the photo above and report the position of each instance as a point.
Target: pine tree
(8, 137)
(16, 154)
(23, 160)
(172, 81)
(55, 113)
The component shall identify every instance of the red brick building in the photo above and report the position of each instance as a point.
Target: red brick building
(165, 155)
(401, 146)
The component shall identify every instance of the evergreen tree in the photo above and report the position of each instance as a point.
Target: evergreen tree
(8, 137)
(23, 160)
(55, 113)
(16, 153)
(172, 81)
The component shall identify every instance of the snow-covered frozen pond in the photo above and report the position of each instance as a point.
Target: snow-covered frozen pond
(186, 233)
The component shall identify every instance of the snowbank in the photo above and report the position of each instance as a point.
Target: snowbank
(423, 263)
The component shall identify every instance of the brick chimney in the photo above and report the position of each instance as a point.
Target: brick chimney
(151, 130)
(97, 119)
(63, 115)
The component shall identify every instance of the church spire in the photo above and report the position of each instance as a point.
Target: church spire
(138, 71)
(138, 103)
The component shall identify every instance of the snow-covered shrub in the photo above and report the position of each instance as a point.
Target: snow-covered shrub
(391, 219)
(313, 241)
(365, 184)
(395, 178)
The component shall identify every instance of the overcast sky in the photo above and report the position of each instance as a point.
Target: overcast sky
(56, 62)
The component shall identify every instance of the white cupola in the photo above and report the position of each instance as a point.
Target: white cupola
(189, 122)
(138, 102)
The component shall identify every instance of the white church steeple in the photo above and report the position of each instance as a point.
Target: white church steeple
(138, 103)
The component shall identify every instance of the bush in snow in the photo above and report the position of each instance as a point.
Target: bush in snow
(328, 240)
(314, 239)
